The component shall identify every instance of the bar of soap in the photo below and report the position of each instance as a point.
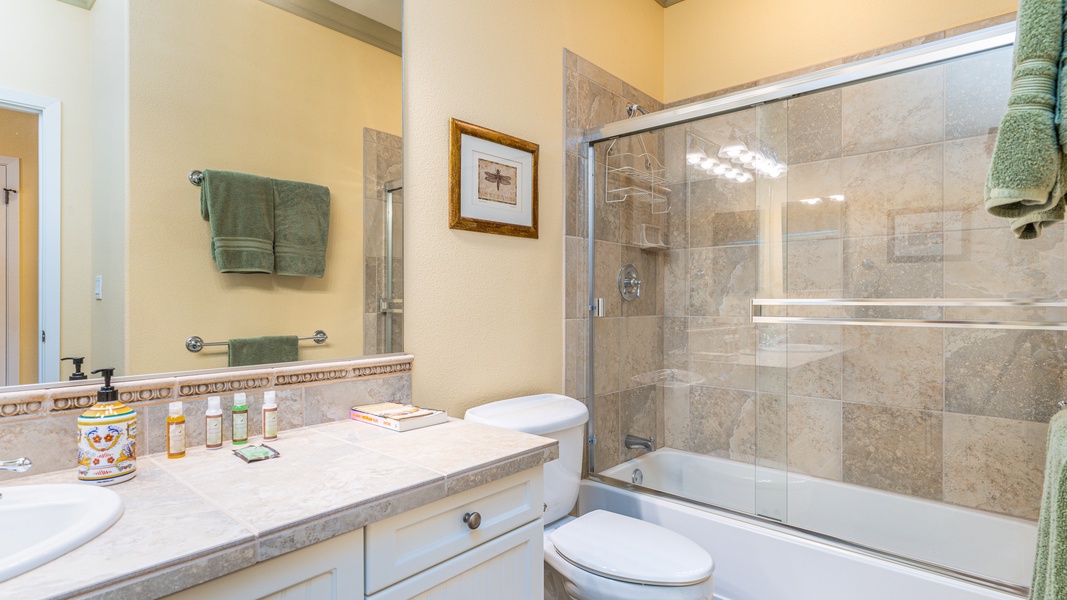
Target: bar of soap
(254, 453)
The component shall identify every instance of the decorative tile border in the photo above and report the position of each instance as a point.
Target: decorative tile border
(224, 383)
(63, 399)
(22, 404)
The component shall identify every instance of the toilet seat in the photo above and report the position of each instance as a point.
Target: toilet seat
(630, 550)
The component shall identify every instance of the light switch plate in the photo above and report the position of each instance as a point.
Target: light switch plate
(98, 287)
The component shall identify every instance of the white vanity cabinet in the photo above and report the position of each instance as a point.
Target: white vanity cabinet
(485, 543)
(329, 570)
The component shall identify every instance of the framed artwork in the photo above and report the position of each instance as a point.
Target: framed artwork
(492, 182)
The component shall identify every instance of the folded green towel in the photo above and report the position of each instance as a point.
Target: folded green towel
(1050, 563)
(301, 225)
(1030, 226)
(263, 350)
(1026, 160)
(240, 208)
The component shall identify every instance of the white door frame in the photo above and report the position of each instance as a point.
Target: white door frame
(50, 189)
(11, 273)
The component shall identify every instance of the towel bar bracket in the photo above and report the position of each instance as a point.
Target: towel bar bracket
(196, 343)
(196, 177)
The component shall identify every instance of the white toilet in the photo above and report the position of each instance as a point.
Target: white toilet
(600, 555)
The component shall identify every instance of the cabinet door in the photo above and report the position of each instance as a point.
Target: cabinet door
(329, 570)
(510, 566)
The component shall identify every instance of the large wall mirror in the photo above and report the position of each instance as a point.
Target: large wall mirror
(105, 108)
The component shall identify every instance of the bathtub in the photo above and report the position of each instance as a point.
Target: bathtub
(762, 561)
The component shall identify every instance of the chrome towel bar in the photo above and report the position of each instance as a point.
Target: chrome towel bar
(759, 317)
(196, 177)
(196, 343)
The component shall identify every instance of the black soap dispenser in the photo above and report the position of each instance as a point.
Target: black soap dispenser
(77, 375)
(107, 438)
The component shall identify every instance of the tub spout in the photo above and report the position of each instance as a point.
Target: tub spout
(632, 442)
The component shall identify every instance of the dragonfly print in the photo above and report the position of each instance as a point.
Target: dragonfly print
(497, 178)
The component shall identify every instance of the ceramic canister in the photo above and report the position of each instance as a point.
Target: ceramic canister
(107, 444)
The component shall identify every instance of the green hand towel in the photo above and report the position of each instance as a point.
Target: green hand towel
(302, 222)
(1027, 155)
(1050, 564)
(240, 208)
(263, 350)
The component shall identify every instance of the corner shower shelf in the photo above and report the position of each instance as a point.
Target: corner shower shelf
(636, 176)
(759, 317)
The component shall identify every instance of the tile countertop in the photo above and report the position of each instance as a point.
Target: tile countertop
(193, 519)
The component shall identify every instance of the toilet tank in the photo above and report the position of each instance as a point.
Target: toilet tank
(553, 416)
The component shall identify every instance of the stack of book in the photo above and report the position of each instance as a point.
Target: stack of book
(398, 417)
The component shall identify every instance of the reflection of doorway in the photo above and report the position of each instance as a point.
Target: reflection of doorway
(9, 257)
(39, 350)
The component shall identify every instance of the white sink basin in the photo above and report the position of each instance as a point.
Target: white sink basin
(43, 522)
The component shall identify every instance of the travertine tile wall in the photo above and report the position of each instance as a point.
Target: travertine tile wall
(953, 415)
(42, 424)
(383, 156)
(629, 340)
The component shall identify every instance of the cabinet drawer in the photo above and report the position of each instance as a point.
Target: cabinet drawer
(408, 543)
(511, 567)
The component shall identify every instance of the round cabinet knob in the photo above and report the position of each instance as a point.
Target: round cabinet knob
(473, 520)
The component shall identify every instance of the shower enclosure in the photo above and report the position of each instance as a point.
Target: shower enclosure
(383, 243)
(796, 293)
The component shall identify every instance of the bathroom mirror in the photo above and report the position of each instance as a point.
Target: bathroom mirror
(109, 104)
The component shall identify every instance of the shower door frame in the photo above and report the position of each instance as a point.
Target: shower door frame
(959, 46)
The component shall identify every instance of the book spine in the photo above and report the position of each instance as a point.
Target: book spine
(373, 420)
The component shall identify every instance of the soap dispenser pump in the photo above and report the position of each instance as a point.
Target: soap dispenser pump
(77, 375)
(107, 438)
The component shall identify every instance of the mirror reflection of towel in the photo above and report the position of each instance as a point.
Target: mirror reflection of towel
(240, 209)
(301, 225)
(263, 350)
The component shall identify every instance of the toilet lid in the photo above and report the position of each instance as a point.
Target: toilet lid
(626, 549)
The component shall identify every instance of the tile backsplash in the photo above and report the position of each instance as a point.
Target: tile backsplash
(41, 424)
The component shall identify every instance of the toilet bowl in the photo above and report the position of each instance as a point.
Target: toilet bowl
(600, 555)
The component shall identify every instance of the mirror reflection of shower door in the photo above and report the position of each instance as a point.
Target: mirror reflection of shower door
(392, 301)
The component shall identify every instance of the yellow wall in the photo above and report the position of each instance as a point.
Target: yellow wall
(18, 138)
(45, 48)
(714, 44)
(484, 313)
(246, 87)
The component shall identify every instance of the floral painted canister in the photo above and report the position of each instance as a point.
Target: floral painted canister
(107, 438)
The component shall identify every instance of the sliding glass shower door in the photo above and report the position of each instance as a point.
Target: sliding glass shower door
(777, 292)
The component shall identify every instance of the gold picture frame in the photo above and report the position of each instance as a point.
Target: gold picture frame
(492, 181)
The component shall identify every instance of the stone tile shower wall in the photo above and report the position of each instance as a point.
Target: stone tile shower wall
(383, 161)
(629, 341)
(953, 415)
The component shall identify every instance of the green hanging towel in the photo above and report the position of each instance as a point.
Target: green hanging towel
(240, 209)
(1050, 564)
(1025, 173)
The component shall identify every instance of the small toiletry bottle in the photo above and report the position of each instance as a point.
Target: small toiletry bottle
(240, 419)
(213, 423)
(270, 417)
(175, 431)
(107, 438)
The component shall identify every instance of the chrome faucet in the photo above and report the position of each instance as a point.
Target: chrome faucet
(632, 442)
(18, 465)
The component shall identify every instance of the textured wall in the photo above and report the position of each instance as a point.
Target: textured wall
(288, 99)
(484, 313)
(711, 44)
(56, 36)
